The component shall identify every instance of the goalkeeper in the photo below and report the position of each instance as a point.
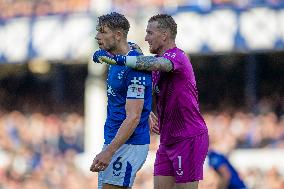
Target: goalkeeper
(183, 132)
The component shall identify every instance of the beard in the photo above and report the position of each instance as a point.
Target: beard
(154, 50)
(110, 47)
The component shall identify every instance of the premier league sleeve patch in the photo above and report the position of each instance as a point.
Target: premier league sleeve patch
(137, 88)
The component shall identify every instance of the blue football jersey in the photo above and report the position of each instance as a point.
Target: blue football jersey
(126, 83)
(217, 160)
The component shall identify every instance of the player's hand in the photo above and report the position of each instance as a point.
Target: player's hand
(102, 56)
(135, 47)
(153, 122)
(101, 161)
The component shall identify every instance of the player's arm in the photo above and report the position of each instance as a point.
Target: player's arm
(153, 119)
(146, 63)
(225, 176)
(134, 109)
(133, 113)
(149, 63)
(154, 104)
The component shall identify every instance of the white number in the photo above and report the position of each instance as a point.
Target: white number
(179, 162)
(180, 171)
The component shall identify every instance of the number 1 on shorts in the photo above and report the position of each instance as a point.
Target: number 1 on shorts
(179, 172)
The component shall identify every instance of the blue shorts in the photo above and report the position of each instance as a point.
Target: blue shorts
(124, 165)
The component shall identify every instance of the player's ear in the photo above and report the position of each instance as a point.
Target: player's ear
(119, 35)
(165, 35)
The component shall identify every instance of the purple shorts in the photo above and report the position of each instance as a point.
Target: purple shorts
(182, 160)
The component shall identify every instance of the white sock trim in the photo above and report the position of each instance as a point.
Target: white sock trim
(131, 61)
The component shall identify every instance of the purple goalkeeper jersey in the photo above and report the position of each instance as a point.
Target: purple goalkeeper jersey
(177, 100)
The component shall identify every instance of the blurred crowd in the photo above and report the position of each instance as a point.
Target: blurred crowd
(38, 151)
(134, 5)
(247, 3)
(245, 130)
(13, 8)
(254, 178)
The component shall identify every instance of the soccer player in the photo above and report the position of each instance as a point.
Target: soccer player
(183, 132)
(126, 130)
(229, 178)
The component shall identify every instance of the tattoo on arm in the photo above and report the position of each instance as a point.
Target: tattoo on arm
(150, 63)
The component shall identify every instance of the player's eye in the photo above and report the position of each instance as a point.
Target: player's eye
(100, 29)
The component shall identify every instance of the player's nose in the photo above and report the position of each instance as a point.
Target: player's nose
(97, 37)
(146, 38)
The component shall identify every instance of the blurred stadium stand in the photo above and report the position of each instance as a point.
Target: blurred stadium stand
(52, 98)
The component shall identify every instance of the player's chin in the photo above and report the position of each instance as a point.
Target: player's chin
(101, 46)
(153, 51)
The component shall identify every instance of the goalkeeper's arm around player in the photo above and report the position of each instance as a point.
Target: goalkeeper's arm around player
(147, 63)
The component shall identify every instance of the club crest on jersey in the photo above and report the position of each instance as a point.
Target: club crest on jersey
(170, 54)
(137, 88)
